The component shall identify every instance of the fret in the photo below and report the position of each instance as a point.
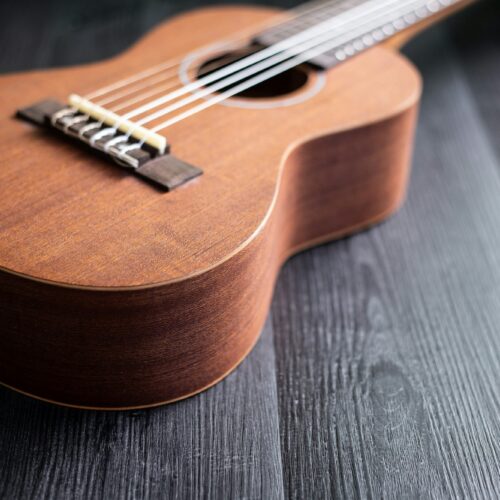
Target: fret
(407, 14)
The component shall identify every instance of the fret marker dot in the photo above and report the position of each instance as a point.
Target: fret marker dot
(368, 40)
(358, 45)
(388, 30)
(349, 50)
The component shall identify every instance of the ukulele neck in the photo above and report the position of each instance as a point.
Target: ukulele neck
(361, 24)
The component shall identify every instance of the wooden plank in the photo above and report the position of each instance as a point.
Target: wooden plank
(476, 36)
(25, 37)
(387, 345)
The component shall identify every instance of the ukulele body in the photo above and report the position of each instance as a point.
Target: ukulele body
(115, 295)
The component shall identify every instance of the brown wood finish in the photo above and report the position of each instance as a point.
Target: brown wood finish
(114, 295)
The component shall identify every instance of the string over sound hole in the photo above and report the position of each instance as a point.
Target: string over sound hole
(280, 85)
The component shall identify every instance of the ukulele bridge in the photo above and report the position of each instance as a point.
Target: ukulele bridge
(134, 148)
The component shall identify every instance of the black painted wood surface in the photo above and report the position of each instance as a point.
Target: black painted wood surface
(378, 373)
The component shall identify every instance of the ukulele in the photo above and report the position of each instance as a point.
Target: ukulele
(148, 201)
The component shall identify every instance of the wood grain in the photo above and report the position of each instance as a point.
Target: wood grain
(387, 346)
(205, 446)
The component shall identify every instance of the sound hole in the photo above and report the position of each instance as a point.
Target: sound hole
(279, 85)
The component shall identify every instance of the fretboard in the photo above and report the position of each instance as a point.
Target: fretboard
(357, 24)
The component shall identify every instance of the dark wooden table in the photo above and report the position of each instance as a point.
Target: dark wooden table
(378, 373)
